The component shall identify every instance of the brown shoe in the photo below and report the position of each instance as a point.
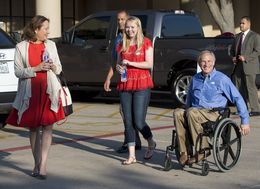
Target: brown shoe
(183, 159)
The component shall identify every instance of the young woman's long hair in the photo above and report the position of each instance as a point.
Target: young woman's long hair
(29, 29)
(139, 36)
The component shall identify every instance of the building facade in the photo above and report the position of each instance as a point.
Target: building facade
(14, 14)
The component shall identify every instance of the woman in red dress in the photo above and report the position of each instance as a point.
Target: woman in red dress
(37, 105)
(135, 54)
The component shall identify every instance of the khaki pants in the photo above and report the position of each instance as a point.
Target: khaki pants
(190, 121)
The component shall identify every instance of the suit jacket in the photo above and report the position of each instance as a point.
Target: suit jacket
(250, 50)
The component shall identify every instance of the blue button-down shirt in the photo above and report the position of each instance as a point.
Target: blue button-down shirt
(214, 91)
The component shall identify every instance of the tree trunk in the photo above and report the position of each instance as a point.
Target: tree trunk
(223, 13)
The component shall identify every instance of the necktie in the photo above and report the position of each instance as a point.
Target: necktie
(240, 44)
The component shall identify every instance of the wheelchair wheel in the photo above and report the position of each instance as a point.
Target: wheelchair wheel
(205, 168)
(226, 144)
(167, 163)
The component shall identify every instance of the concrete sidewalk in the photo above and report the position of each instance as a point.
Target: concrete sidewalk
(83, 156)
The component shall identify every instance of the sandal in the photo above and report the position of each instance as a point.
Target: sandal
(149, 153)
(129, 161)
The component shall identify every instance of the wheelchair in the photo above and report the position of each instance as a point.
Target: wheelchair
(224, 139)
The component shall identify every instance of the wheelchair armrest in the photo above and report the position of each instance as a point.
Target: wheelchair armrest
(223, 111)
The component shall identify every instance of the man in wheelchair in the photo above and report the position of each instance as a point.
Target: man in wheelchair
(209, 89)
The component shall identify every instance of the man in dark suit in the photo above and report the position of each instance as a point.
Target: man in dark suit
(245, 52)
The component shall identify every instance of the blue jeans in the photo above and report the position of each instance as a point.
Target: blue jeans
(134, 106)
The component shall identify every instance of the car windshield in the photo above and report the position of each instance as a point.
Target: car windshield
(6, 41)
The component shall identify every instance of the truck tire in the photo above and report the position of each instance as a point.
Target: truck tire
(180, 86)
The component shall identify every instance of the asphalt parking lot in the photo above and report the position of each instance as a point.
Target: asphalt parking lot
(83, 154)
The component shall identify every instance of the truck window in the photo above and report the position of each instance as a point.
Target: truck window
(143, 19)
(5, 40)
(95, 28)
(180, 26)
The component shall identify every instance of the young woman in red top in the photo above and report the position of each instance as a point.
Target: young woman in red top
(135, 53)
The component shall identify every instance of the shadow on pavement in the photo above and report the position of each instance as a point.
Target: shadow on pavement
(81, 142)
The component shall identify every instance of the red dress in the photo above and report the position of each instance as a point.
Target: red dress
(39, 112)
(137, 79)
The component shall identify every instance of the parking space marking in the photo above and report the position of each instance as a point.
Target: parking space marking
(113, 114)
(83, 138)
(91, 116)
(77, 109)
(4, 137)
(80, 131)
(70, 123)
(105, 123)
(160, 115)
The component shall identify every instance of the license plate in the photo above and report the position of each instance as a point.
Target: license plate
(4, 67)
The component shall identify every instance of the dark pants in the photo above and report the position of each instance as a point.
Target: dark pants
(137, 137)
(246, 86)
(134, 106)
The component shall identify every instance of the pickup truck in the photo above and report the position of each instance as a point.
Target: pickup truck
(86, 50)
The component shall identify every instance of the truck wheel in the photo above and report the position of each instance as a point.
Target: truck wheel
(180, 86)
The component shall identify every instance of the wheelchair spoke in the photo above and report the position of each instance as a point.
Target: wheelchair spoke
(227, 151)
(230, 143)
(231, 153)
(226, 134)
(225, 155)
(235, 140)
(226, 140)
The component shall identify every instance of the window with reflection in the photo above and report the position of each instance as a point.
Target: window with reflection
(95, 28)
(180, 26)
